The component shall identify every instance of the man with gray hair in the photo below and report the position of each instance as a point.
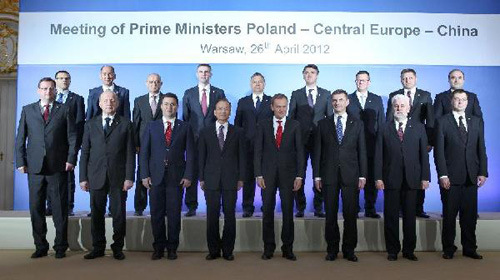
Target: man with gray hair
(402, 169)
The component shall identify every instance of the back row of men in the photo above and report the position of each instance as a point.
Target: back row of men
(319, 126)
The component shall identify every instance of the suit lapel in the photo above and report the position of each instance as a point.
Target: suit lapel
(114, 124)
(348, 128)
(37, 111)
(70, 97)
(158, 107)
(355, 101)
(333, 128)
(55, 107)
(393, 131)
(175, 129)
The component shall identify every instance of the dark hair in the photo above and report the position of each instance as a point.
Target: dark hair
(222, 100)
(408, 70)
(458, 91)
(454, 70)
(62, 71)
(363, 72)
(340, 91)
(206, 65)
(259, 75)
(313, 66)
(278, 96)
(112, 68)
(171, 95)
(46, 79)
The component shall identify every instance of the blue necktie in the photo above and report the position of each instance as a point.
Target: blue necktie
(340, 132)
(60, 98)
(257, 104)
(310, 98)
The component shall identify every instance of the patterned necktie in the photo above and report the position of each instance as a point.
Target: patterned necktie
(220, 136)
(106, 126)
(279, 134)
(310, 98)
(408, 93)
(153, 104)
(204, 106)
(60, 97)
(400, 132)
(257, 104)
(340, 129)
(168, 134)
(362, 101)
(462, 129)
(46, 112)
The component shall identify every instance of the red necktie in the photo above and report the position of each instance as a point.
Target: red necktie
(279, 134)
(204, 107)
(168, 134)
(400, 132)
(46, 112)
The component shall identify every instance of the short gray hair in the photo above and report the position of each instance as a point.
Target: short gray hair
(402, 97)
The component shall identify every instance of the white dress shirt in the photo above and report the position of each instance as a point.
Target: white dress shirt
(104, 116)
(254, 98)
(275, 125)
(110, 88)
(343, 120)
(217, 127)
(457, 115)
(362, 98)
(314, 93)
(165, 123)
(404, 124)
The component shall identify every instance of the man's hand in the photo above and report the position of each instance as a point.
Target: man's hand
(23, 169)
(297, 184)
(318, 185)
(84, 186)
(379, 184)
(361, 183)
(146, 182)
(425, 185)
(185, 183)
(202, 185)
(445, 183)
(69, 167)
(240, 185)
(481, 180)
(127, 185)
(261, 183)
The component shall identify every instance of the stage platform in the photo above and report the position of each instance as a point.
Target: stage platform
(15, 232)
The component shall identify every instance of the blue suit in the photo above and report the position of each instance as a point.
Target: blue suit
(93, 108)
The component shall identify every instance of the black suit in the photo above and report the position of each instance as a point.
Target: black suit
(106, 161)
(93, 108)
(308, 118)
(279, 167)
(166, 166)
(462, 162)
(193, 115)
(372, 116)
(340, 165)
(421, 111)
(442, 105)
(77, 106)
(44, 148)
(248, 117)
(142, 115)
(402, 166)
(221, 170)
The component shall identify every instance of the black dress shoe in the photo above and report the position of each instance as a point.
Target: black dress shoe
(392, 257)
(473, 255)
(447, 256)
(48, 212)
(289, 256)
(171, 255)
(247, 214)
(351, 257)
(229, 257)
(157, 255)
(210, 257)
(38, 254)
(410, 256)
(60, 254)
(331, 257)
(319, 214)
(267, 256)
(118, 255)
(299, 214)
(372, 215)
(191, 213)
(138, 213)
(94, 254)
(423, 215)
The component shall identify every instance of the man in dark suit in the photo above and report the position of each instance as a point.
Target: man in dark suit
(222, 171)
(198, 104)
(146, 109)
(340, 167)
(462, 167)
(46, 150)
(402, 168)
(421, 110)
(279, 165)
(250, 111)
(442, 101)
(77, 106)
(107, 167)
(108, 77)
(309, 105)
(166, 168)
(367, 107)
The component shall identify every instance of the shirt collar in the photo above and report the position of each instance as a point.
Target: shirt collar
(458, 114)
(64, 92)
(276, 120)
(156, 95)
(43, 104)
(359, 94)
(165, 120)
(412, 90)
(104, 116)
(111, 88)
(315, 89)
(344, 115)
(207, 87)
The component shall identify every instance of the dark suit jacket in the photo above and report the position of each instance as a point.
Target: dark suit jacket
(77, 106)
(49, 145)
(372, 116)
(93, 108)
(111, 155)
(349, 156)
(221, 170)
(247, 117)
(142, 115)
(191, 108)
(421, 110)
(456, 159)
(393, 157)
(155, 155)
(442, 105)
(287, 162)
(308, 117)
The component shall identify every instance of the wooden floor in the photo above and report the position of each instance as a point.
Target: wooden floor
(16, 264)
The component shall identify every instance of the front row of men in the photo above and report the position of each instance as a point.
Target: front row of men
(167, 159)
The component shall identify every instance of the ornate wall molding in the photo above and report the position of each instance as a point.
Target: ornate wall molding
(9, 23)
